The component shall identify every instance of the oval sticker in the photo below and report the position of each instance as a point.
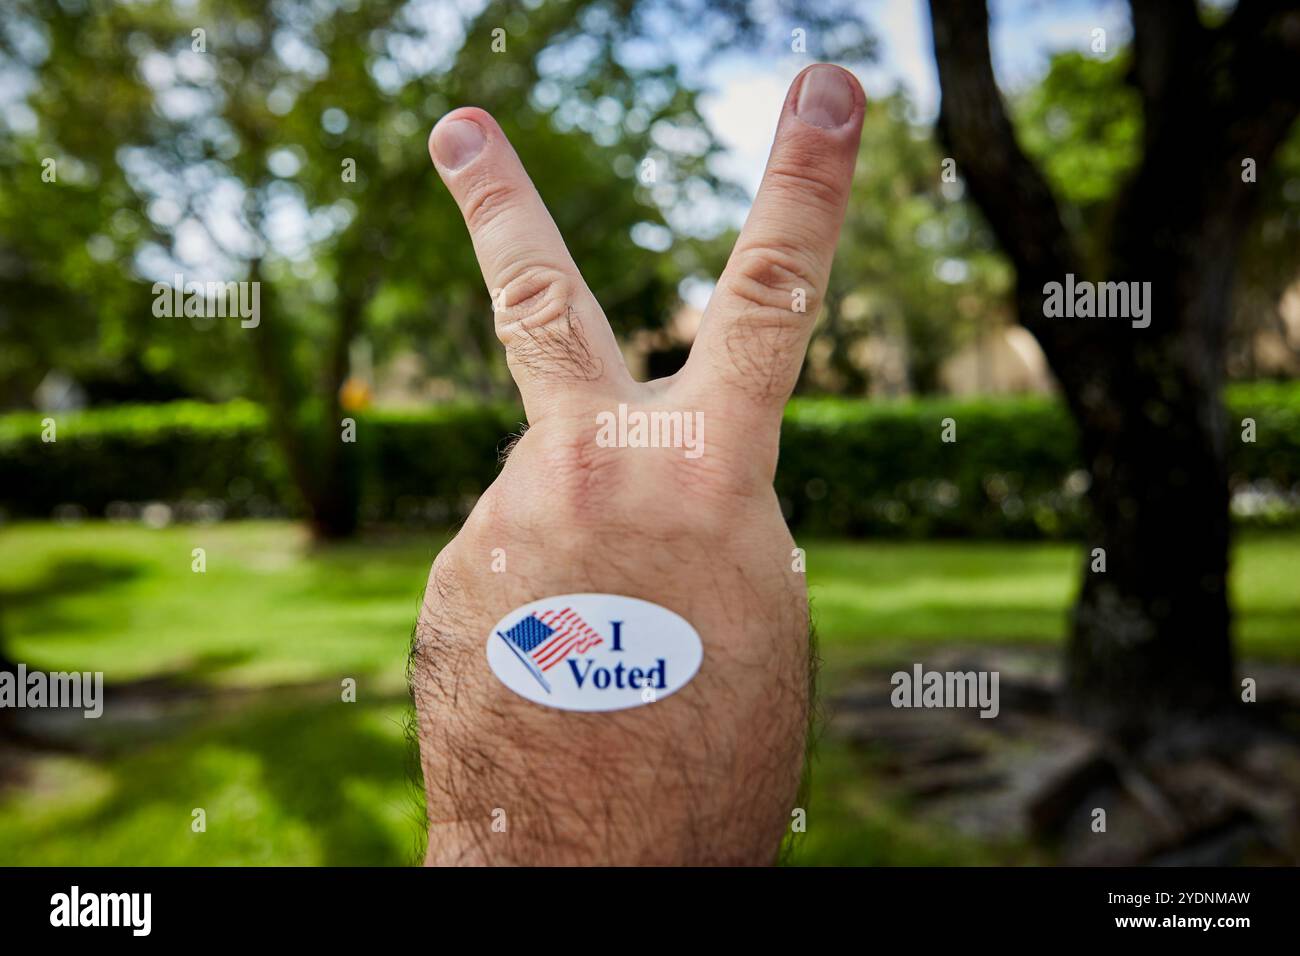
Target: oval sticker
(594, 652)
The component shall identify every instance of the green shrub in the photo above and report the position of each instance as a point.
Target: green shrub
(847, 467)
(861, 468)
(180, 451)
(432, 464)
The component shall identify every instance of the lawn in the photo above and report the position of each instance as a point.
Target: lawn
(287, 774)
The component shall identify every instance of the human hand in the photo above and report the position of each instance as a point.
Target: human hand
(710, 773)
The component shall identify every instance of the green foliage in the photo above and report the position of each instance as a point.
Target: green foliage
(1082, 125)
(285, 144)
(230, 162)
(870, 469)
(1272, 458)
(915, 264)
(1014, 470)
(180, 451)
(432, 465)
(847, 467)
(69, 218)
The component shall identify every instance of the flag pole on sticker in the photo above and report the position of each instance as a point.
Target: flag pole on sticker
(543, 639)
(532, 668)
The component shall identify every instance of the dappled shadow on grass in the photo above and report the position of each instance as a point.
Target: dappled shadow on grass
(60, 580)
(147, 710)
(287, 774)
(306, 754)
(71, 576)
(68, 577)
(283, 780)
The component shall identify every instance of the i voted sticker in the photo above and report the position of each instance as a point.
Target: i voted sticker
(594, 652)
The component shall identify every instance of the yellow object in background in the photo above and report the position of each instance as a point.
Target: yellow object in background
(355, 395)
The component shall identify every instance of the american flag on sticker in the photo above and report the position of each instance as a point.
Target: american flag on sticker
(545, 638)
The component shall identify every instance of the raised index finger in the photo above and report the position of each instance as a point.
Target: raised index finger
(556, 336)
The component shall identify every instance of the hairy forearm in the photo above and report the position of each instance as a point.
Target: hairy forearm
(510, 782)
(610, 811)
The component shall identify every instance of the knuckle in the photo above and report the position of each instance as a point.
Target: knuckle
(800, 175)
(487, 198)
(770, 275)
(531, 297)
(718, 498)
(569, 481)
(777, 303)
(536, 321)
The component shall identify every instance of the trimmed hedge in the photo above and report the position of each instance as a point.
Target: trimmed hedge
(847, 467)
(858, 468)
(175, 452)
(432, 464)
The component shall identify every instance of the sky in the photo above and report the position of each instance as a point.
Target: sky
(747, 89)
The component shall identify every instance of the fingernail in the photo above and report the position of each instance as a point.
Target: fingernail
(456, 142)
(825, 99)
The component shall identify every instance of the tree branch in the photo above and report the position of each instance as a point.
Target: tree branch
(1259, 46)
(1010, 190)
(1170, 47)
(1211, 99)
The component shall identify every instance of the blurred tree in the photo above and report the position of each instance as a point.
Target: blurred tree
(10, 667)
(1150, 637)
(283, 144)
(1082, 125)
(1270, 265)
(68, 216)
(915, 264)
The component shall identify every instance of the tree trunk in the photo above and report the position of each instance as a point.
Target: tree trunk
(7, 666)
(1150, 643)
(325, 470)
(1150, 638)
(283, 393)
(336, 499)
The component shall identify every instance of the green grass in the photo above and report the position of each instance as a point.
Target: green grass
(293, 776)
(851, 822)
(268, 609)
(284, 784)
